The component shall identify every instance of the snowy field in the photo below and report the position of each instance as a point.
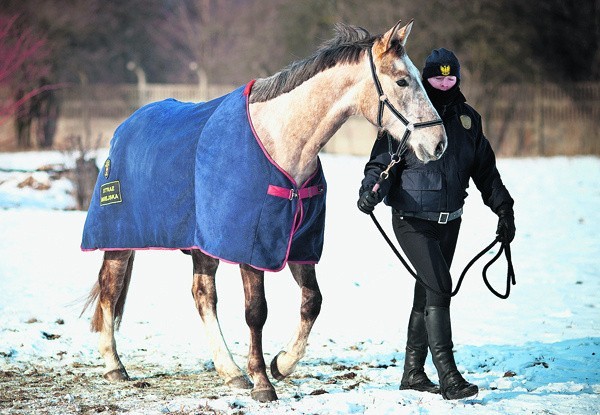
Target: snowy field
(535, 353)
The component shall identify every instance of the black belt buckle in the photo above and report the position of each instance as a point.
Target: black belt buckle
(443, 219)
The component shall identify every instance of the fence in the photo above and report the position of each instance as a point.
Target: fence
(519, 119)
(541, 119)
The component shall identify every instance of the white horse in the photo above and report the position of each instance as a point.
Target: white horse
(294, 113)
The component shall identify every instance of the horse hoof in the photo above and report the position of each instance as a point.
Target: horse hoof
(239, 382)
(264, 395)
(116, 375)
(275, 370)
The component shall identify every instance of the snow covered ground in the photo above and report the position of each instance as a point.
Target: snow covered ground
(535, 353)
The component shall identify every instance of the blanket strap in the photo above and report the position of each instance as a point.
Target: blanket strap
(303, 193)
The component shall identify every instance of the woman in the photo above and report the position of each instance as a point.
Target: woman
(427, 203)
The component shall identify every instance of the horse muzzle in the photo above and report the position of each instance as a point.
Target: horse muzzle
(427, 153)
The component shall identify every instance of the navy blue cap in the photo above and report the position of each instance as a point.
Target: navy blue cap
(441, 62)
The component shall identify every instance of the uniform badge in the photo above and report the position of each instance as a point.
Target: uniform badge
(106, 168)
(466, 122)
(445, 70)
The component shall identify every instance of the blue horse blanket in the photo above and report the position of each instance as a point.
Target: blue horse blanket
(195, 176)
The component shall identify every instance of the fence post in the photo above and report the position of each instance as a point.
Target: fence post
(202, 80)
(141, 81)
(538, 115)
(85, 108)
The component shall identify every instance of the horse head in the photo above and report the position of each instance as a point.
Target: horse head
(397, 102)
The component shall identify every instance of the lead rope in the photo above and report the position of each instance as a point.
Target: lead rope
(504, 247)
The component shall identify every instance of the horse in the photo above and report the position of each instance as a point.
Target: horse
(293, 114)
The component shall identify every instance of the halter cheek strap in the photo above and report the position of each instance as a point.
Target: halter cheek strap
(385, 102)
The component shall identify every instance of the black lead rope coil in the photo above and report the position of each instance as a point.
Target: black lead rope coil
(504, 247)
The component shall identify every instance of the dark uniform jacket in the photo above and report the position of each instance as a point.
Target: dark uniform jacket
(440, 186)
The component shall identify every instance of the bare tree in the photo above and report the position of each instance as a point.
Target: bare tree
(22, 56)
(24, 71)
(197, 33)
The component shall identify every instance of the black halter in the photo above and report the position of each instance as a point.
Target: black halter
(383, 102)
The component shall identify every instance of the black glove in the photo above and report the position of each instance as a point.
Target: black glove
(367, 201)
(506, 224)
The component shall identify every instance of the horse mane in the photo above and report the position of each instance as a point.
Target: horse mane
(346, 47)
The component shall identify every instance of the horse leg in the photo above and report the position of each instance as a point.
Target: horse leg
(256, 316)
(284, 363)
(205, 295)
(111, 288)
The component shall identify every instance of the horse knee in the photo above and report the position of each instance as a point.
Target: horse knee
(204, 289)
(205, 295)
(254, 293)
(256, 312)
(201, 288)
(311, 304)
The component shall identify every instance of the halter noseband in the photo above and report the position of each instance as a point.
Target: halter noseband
(383, 102)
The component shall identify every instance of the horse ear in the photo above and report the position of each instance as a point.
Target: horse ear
(397, 33)
(402, 33)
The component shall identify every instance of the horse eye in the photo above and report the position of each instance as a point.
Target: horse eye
(402, 82)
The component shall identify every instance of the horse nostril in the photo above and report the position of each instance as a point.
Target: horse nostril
(439, 149)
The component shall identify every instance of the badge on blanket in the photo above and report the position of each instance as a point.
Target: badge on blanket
(465, 120)
(110, 193)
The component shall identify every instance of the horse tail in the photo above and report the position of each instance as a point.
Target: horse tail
(98, 318)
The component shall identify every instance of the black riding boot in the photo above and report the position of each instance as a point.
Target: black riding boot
(414, 376)
(439, 331)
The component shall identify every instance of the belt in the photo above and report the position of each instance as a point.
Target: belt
(439, 217)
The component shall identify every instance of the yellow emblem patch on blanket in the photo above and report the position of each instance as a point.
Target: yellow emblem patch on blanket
(110, 193)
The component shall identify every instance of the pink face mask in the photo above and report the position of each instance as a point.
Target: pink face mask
(443, 83)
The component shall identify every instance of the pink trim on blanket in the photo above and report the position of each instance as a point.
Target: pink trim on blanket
(147, 248)
(206, 253)
(249, 87)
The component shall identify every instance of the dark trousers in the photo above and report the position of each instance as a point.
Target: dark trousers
(429, 246)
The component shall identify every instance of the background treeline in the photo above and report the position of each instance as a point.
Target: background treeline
(68, 43)
(507, 40)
